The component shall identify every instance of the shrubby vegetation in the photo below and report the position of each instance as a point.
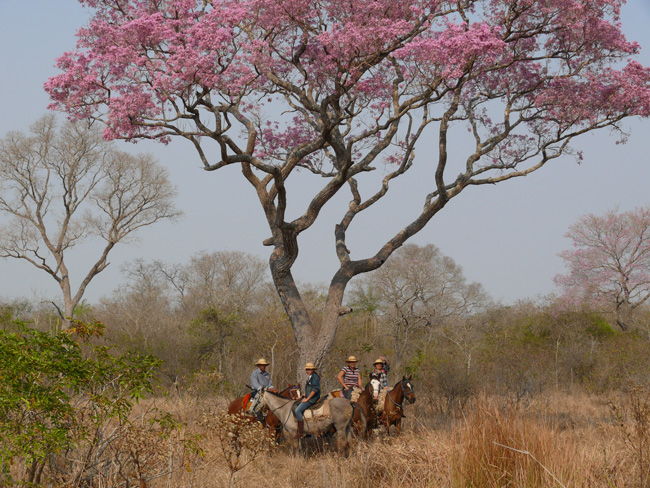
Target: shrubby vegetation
(68, 400)
(209, 319)
(66, 405)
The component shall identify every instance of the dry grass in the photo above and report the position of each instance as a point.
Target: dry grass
(558, 440)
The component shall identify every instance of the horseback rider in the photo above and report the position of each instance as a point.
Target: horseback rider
(349, 377)
(380, 372)
(260, 378)
(312, 395)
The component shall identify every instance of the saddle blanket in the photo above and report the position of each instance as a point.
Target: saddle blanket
(320, 410)
(339, 394)
(381, 400)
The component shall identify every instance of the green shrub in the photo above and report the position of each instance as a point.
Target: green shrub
(57, 393)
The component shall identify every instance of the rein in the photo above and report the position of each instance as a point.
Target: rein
(404, 393)
(280, 407)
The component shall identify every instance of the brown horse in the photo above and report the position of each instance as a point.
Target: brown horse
(394, 404)
(238, 406)
(365, 417)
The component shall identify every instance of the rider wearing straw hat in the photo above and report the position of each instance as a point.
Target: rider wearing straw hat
(312, 395)
(380, 372)
(349, 377)
(260, 378)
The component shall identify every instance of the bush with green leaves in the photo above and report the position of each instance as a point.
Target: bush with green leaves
(58, 393)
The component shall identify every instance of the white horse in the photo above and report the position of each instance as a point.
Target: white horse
(341, 413)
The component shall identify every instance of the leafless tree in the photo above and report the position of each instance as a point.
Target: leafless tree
(62, 187)
(226, 280)
(418, 288)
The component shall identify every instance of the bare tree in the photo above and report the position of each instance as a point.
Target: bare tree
(62, 187)
(420, 287)
(226, 280)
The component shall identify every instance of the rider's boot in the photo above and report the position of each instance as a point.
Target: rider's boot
(301, 432)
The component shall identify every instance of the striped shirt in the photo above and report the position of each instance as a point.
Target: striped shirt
(350, 376)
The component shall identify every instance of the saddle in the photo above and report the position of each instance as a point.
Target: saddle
(246, 402)
(319, 410)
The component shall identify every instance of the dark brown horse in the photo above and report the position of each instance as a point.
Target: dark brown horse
(367, 407)
(401, 393)
(238, 406)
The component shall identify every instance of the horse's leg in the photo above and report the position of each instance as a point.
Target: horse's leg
(387, 423)
(398, 425)
(358, 422)
(343, 442)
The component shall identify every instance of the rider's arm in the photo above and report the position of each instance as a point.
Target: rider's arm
(255, 382)
(359, 381)
(339, 377)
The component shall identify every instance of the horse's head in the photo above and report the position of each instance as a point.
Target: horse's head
(294, 392)
(407, 388)
(375, 387)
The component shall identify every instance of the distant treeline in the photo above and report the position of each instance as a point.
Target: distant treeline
(519, 350)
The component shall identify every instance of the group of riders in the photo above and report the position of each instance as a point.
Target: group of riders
(349, 377)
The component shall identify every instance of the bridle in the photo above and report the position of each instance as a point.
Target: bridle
(292, 389)
(404, 392)
(280, 407)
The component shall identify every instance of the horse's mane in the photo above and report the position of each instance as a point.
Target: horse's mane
(402, 381)
(274, 394)
(289, 387)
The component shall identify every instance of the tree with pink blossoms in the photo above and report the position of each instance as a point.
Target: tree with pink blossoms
(609, 265)
(347, 91)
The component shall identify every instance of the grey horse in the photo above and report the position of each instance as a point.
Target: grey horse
(340, 417)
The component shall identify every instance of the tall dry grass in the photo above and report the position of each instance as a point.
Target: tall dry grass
(558, 440)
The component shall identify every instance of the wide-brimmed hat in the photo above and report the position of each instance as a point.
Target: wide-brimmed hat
(310, 366)
(379, 361)
(262, 362)
(352, 359)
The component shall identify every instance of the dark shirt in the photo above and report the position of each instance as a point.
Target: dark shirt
(313, 384)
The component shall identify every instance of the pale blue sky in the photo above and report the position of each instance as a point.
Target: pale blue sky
(507, 237)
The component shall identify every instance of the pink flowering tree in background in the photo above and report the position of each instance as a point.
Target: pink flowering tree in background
(609, 265)
(347, 90)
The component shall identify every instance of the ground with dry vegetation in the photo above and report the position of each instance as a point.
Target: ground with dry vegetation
(576, 440)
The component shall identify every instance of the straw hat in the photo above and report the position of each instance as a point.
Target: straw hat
(352, 359)
(262, 361)
(310, 366)
(379, 361)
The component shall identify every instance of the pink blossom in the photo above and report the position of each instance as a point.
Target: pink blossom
(185, 67)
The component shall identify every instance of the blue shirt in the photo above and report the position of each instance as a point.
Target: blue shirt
(313, 384)
(260, 380)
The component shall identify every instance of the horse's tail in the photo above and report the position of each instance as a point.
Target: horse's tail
(349, 425)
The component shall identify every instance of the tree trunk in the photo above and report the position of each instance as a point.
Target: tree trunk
(313, 345)
(624, 316)
(68, 303)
